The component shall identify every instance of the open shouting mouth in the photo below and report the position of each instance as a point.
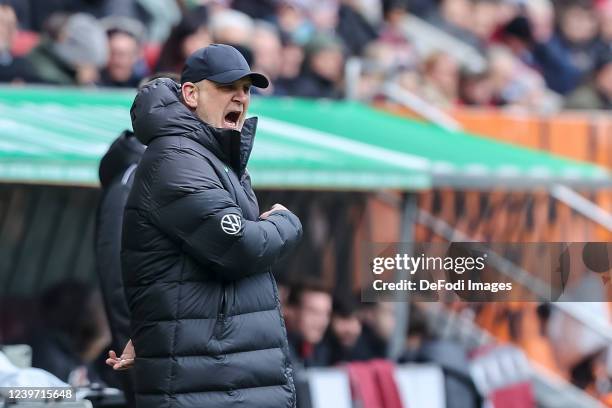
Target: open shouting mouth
(232, 119)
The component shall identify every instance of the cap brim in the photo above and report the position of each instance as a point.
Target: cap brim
(257, 79)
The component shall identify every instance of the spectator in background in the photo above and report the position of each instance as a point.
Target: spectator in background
(578, 36)
(125, 52)
(323, 69)
(455, 17)
(73, 54)
(596, 93)
(324, 15)
(441, 75)
(291, 64)
(475, 89)
(378, 320)
(394, 13)
(353, 27)
(344, 335)
(284, 290)
(379, 62)
(291, 17)
(268, 55)
(484, 20)
(515, 84)
(12, 68)
(189, 35)
(604, 15)
(231, 27)
(535, 47)
(40, 10)
(257, 9)
(312, 305)
(420, 8)
(75, 332)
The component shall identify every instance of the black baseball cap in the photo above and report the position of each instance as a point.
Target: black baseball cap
(222, 64)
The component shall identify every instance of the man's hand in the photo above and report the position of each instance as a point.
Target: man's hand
(126, 360)
(275, 207)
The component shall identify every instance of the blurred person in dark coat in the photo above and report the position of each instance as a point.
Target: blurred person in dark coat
(12, 68)
(116, 173)
(578, 35)
(354, 29)
(596, 93)
(116, 177)
(72, 55)
(125, 66)
(189, 35)
(73, 335)
(543, 53)
(344, 336)
(268, 55)
(322, 71)
(378, 320)
(312, 306)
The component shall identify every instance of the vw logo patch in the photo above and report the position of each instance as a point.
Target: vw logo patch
(231, 224)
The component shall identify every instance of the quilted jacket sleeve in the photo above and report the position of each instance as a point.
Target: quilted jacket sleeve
(193, 208)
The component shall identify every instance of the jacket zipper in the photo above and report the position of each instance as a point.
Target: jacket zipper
(223, 302)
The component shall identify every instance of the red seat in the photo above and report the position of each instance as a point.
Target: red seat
(373, 384)
(364, 385)
(514, 396)
(389, 392)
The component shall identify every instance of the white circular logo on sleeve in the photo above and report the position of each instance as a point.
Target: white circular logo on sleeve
(231, 224)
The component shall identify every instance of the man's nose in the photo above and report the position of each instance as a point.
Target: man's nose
(241, 96)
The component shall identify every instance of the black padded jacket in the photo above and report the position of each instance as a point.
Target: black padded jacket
(205, 315)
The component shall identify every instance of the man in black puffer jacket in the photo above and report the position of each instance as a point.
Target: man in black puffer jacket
(206, 326)
(116, 173)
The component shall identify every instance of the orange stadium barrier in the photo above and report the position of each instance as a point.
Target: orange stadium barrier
(501, 216)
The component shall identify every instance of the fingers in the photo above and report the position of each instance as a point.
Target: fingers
(112, 358)
(275, 207)
(124, 364)
(119, 363)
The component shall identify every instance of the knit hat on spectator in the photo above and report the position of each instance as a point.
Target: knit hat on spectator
(126, 25)
(519, 27)
(83, 42)
(322, 42)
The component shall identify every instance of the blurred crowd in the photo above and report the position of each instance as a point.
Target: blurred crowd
(334, 328)
(72, 336)
(537, 55)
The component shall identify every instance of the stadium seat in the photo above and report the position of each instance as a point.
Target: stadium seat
(420, 386)
(328, 388)
(364, 385)
(502, 374)
(385, 376)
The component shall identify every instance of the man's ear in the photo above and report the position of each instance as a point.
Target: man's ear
(189, 91)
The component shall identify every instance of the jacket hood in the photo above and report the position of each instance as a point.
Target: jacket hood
(157, 112)
(122, 153)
